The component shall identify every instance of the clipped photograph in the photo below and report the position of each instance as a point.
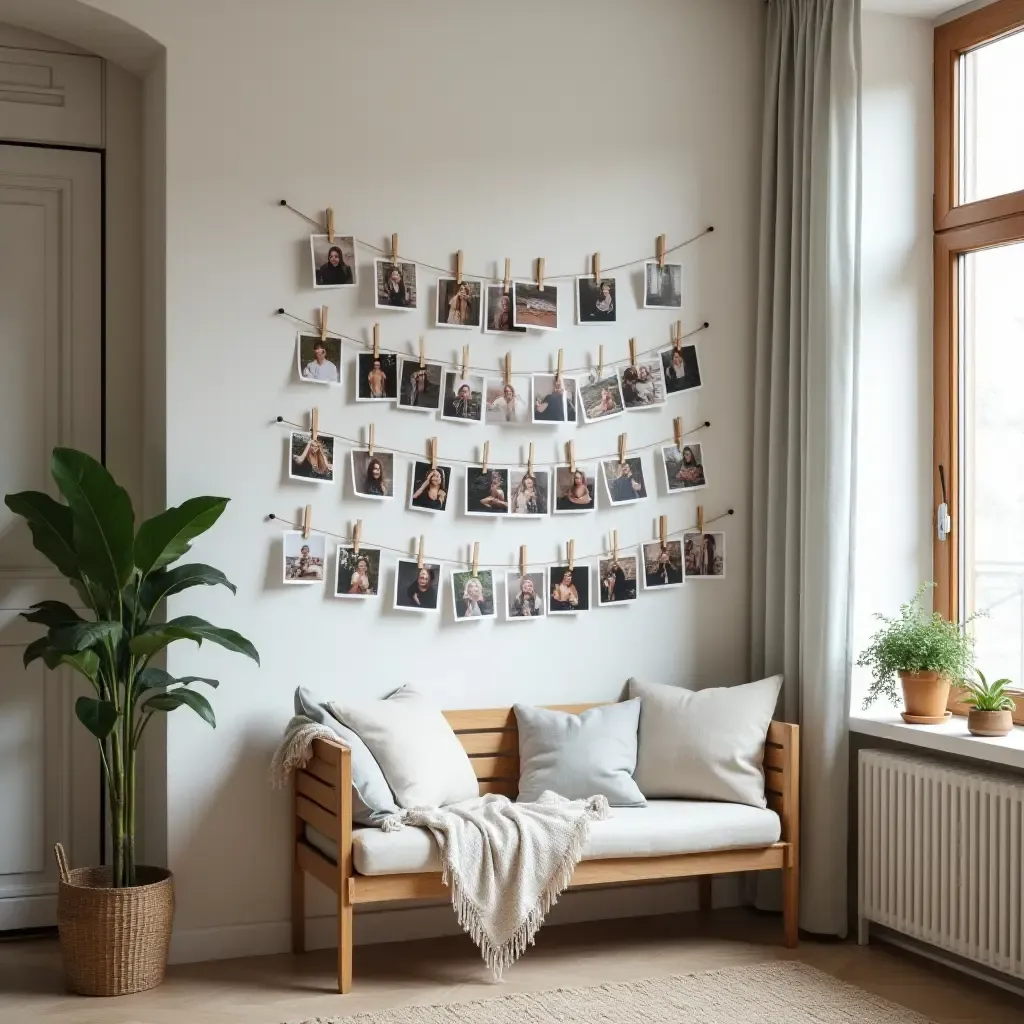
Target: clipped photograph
(498, 311)
(358, 572)
(395, 284)
(419, 387)
(682, 371)
(535, 307)
(304, 557)
(663, 566)
(463, 398)
(334, 261)
(552, 399)
(508, 405)
(459, 304)
(704, 555)
(310, 459)
(486, 491)
(595, 300)
(624, 481)
(318, 361)
(617, 579)
(568, 589)
(524, 595)
(417, 586)
(376, 377)
(684, 468)
(663, 286)
(575, 489)
(529, 495)
(429, 487)
(473, 595)
(643, 385)
(600, 399)
(373, 476)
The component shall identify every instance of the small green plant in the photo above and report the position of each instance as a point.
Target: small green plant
(916, 641)
(986, 696)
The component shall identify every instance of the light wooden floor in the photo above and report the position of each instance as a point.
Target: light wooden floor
(275, 989)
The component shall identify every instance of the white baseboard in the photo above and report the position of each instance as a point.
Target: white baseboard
(28, 912)
(190, 945)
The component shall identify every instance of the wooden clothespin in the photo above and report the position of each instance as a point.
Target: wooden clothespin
(369, 442)
(540, 273)
(419, 553)
(307, 522)
(522, 560)
(323, 323)
(508, 368)
(600, 361)
(314, 423)
(677, 335)
(356, 533)
(622, 448)
(615, 545)
(663, 531)
(458, 267)
(394, 247)
(508, 274)
(677, 429)
(700, 519)
(659, 248)
(433, 453)
(558, 372)
(376, 341)
(595, 265)
(487, 453)
(476, 556)
(330, 224)
(465, 360)
(423, 354)
(572, 554)
(529, 461)
(570, 451)
(632, 351)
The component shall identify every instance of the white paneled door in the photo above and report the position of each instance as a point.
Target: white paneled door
(50, 394)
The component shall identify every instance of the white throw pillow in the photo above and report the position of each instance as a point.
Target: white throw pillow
(422, 759)
(704, 744)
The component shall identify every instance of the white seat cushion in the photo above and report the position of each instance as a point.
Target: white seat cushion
(662, 828)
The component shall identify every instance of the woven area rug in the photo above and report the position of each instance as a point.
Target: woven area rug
(781, 993)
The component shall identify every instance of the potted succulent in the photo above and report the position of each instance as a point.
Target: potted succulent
(925, 651)
(991, 707)
(115, 921)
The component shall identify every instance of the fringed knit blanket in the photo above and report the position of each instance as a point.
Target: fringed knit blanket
(506, 863)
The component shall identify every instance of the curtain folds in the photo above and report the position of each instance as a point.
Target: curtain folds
(805, 413)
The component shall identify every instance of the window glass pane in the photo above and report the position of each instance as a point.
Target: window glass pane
(992, 454)
(992, 129)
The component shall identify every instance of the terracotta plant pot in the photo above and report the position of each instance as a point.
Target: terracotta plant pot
(989, 723)
(925, 694)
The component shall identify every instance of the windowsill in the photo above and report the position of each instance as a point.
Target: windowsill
(951, 737)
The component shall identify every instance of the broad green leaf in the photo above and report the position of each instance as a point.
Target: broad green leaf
(190, 627)
(104, 523)
(161, 584)
(178, 698)
(80, 635)
(52, 528)
(86, 662)
(36, 649)
(168, 535)
(52, 613)
(98, 716)
(158, 679)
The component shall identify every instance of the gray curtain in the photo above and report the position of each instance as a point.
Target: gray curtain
(805, 413)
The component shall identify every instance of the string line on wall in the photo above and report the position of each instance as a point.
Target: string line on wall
(447, 271)
(675, 341)
(355, 443)
(404, 552)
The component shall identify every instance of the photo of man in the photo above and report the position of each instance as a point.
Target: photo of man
(318, 360)
(377, 379)
(463, 398)
(420, 386)
(624, 480)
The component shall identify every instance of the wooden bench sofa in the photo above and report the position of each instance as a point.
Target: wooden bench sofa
(323, 800)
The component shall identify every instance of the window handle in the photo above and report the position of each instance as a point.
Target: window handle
(943, 523)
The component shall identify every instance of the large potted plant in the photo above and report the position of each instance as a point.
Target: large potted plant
(115, 922)
(925, 652)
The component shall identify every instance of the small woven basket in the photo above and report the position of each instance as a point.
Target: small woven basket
(113, 941)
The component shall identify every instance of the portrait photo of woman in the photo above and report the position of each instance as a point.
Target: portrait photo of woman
(429, 491)
(508, 404)
(419, 386)
(684, 468)
(601, 398)
(575, 488)
(498, 315)
(416, 586)
(595, 300)
(568, 589)
(395, 284)
(463, 398)
(334, 261)
(704, 555)
(473, 595)
(486, 491)
(643, 385)
(458, 303)
(624, 481)
(310, 459)
(682, 369)
(373, 476)
(524, 596)
(618, 580)
(529, 493)
(358, 572)
(663, 565)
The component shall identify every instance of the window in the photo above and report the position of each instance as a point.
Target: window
(979, 327)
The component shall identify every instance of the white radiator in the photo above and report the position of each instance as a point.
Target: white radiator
(942, 857)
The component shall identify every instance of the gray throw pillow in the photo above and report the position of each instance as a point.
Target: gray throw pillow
(579, 756)
(372, 799)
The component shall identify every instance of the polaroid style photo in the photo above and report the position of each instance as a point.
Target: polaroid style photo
(463, 398)
(373, 476)
(376, 377)
(507, 405)
(357, 573)
(304, 557)
(624, 481)
(681, 368)
(643, 385)
(663, 566)
(319, 362)
(334, 261)
(704, 555)
(551, 402)
(572, 404)
(486, 491)
(575, 489)
(309, 459)
(458, 304)
(419, 387)
(524, 596)
(529, 496)
(617, 580)
(600, 399)
(498, 311)
(535, 307)
(663, 286)
(417, 587)
(595, 300)
(395, 284)
(568, 589)
(684, 468)
(473, 595)
(429, 487)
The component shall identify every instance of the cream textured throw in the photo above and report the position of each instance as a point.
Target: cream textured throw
(296, 748)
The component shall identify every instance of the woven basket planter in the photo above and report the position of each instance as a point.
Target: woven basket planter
(113, 941)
